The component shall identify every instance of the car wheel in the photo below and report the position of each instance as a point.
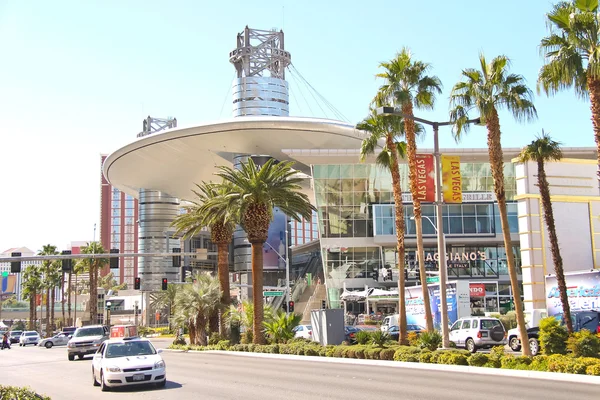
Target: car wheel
(94, 378)
(20, 344)
(49, 345)
(80, 356)
(103, 386)
(514, 344)
(470, 345)
(71, 357)
(161, 384)
(534, 346)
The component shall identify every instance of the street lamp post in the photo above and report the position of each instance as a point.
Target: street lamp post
(108, 305)
(439, 202)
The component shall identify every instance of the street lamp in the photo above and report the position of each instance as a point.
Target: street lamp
(108, 305)
(438, 202)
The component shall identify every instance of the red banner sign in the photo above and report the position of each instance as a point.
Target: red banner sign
(477, 289)
(425, 178)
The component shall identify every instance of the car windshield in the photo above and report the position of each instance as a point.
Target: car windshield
(89, 332)
(129, 349)
(489, 323)
(30, 333)
(16, 333)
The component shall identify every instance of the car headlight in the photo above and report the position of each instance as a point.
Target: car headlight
(159, 364)
(70, 345)
(113, 369)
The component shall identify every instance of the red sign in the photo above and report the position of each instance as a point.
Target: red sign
(425, 178)
(477, 289)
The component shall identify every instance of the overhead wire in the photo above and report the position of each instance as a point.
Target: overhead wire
(227, 95)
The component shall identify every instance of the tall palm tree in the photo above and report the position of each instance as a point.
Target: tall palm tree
(543, 150)
(572, 53)
(79, 266)
(244, 316)
(53, 280)
(389, 131)
(199, 217)
(48, 280)
(94, 265)
(487, 90)
(255, 191)
(32, 286)
(408, 86)
(165, 299)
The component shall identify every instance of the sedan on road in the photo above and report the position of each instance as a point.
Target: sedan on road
(14, 336)
(57, 340)
(394, 331)
(29, 337)
(128, 361)
(303, 331)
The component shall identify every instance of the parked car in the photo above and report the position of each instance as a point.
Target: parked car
(29, 337)
(14, 336)
(394, 330)
(86, 340)
(532, 323)
(57, 340)
(128, 361)
(473, 333)
(303, 331)
(350, 333)
(68, 330)
(589, 319)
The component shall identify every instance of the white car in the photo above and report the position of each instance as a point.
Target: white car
(57, 340)
(303, 331)
(474, 333)
(128, 361)
(29, 337)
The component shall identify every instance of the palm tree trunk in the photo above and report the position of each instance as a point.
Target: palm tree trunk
(47, 312)
(497, 166)
(93, 294)
(62, 298)
(201, 330)
(257, 293)
(35, 295)
(31, 326)
(411, 150)
(53, 303)
(192, 331)
(400, 229)
(69, 299)
(556, 257)
(594, 92)
(223, 267)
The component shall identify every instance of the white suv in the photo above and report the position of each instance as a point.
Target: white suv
(477, 332)
(29, 337)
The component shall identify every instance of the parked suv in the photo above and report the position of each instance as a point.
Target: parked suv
(14, 336)
(86, 340)
(29, 337)
(473, 333)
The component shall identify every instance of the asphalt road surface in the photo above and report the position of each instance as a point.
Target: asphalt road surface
(223, 376)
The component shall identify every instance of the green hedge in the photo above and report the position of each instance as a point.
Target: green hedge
(19, 393)
(495, 359)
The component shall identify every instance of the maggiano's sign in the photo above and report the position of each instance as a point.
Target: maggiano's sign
(462, 257)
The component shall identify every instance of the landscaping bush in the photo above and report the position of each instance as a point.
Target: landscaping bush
(584, 344)
(373, 353)
(215, 338)
(565, 364)
(19, 393)
(495, 357)
(452, 357)
(539, 363)
(593, 370)
(552, 337)
(387, 354)
(509, 320)
(430, 340)
(222, 345)
(413, 339)
(360, 352)
(330, 350)
(179, 340)
(407, 354)
(379, 338)
(337, 352)
(425, 356)
(246, 337)
(511, 362)
(362, 337)
(478, 359)
(313, 351)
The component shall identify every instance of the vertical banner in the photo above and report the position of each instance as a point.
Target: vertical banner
(425, 178)
(451, 179)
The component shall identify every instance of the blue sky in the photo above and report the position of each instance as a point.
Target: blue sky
(77, 78)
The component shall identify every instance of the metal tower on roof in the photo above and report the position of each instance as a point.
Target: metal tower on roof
(260, 60)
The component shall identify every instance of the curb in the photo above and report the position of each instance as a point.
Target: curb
(515, 373)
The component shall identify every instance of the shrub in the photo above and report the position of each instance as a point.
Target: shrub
(552, 336)
(584, 344)
(457, 359)
(179, 340)
(223, 345)
(593, 370)
(378, 338)
(246, 337)
(15, 392)
(478, 359)
(407, 354)
(430, 340)
(374, 354)
(337, 352)
(413, 339)
(362, 337)
(495, 357)
(330, 350)
(511, 362)
(387, 354)
(509, 320)
(539, 363)
(215, 338)
(566, 364)
(360, 352)
(313, 351)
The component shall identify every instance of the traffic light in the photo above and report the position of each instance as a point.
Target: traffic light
(137, 284)
(114, 261)
(389, 274)
(15, 266)
(187, 274)
(176, 257)
(165, 283)
(323, 304)
(66, 262)
(291, 306)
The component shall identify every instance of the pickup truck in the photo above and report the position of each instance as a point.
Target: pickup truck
(86, 340)
(532, 334)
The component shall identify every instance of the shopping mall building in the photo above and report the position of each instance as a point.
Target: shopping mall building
(355, 211)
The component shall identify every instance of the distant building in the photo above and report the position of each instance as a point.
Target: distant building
(14, 284)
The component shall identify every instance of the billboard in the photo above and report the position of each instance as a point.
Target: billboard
(451, 179)
(583, 291)
(9, 284)
(458, 300)
(425, 178)
(276, 242)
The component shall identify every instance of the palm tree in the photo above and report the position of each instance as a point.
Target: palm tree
(165, 299)
(408, 86)
(543, 150)
(244, 316)
(195, 302)
(81, 265)
(486, 91)
(198, 217)
(572, 52)
(255, 191)
(94, 265)
(32, 286)
(53, 281)
(389, 130)
(280, 329)
(48, 279)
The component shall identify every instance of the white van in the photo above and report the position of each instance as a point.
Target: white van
(389, 321)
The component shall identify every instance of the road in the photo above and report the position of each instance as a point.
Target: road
(223, 376)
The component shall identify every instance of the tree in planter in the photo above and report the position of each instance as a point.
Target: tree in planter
(543, 150)
(94, 265)
(280, 328)
(487, 90)
(165, 299)
(32, 287)
(49, 269)
(553, 337)
(244, 316)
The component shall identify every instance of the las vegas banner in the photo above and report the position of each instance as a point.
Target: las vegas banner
(451, 179)
(425, 178)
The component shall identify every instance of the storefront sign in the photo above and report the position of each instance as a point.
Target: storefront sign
(425, 181)
(468, 197)
(451, 179)
(465, 257)
(583, 291)
(477, 289)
